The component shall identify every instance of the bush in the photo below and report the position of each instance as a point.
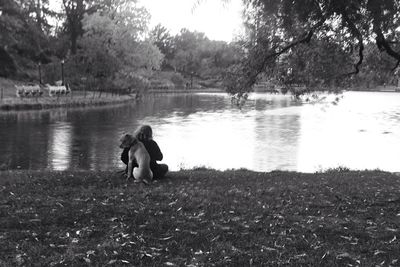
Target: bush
(51, 72)
(130, 81)
(178, 80)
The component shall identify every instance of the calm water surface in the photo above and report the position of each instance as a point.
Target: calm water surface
(270, 132)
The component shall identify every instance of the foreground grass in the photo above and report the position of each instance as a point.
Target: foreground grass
(200, 217)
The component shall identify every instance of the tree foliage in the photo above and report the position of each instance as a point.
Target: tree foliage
(23, 35)
(192, 53)
(162, 38)
(111, 44)
(286, 27)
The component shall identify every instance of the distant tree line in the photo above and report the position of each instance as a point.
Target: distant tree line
(104, 44)
(107, 44)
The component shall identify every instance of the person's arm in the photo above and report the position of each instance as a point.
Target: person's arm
(130, 165)
(125, 156)
(156, 152)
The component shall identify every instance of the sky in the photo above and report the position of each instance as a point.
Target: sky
(217, 20)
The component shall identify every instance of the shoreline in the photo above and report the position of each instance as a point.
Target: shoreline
(16, 104)
(42, 103)
(200, 217)
(62, 102)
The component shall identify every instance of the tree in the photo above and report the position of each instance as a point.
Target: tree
(164, 41)
(188, 47)
(74, 10)
(39, 11)
(112, 45)
(277, 27)
(20, 38)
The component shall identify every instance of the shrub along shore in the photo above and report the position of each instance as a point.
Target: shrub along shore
(200, 217)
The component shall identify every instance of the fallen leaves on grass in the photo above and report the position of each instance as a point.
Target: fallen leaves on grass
(203, 218)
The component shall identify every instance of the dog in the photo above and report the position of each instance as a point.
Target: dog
(138, 153)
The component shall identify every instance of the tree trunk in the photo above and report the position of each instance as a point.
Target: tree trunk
(74, 14)
(7, 65)
(39, 19)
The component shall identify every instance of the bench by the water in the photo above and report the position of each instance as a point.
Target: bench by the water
(58, 90)
(37, 90)
(28, 91)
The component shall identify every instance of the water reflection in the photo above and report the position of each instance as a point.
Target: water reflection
(276, 134)
(60, 146)
(270, 132)
(361, 133)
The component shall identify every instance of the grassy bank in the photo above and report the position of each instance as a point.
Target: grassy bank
(9, 100)
(200, 217)
(77, 100)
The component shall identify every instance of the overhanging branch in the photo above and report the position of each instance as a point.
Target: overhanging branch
(382, 43)
(305, 39)
(397, 64)
(359, 37)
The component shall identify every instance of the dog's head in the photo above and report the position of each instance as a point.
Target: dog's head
(127, 140)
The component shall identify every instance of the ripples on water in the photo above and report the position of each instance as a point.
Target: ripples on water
(269, 132)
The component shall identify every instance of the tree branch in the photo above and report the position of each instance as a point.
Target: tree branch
(359, 37)
(397, 64)
(383, 44)
(306, 39)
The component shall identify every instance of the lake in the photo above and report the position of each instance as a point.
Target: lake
(270, 132)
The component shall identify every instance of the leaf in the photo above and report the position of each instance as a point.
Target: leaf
(111, 262)
(346, 237)
(145, 254)
(268, 249)
(165, 238)
(377, 252)
(343, 255)
(300, 255)
(90, 252)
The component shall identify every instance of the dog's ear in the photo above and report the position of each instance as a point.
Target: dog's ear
(134, 141)
(125, 140)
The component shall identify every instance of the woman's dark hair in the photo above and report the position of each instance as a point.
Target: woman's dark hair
(144, 133)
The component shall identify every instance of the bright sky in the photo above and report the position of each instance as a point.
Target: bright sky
(217, 20)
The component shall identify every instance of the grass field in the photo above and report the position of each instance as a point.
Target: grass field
(200, 218)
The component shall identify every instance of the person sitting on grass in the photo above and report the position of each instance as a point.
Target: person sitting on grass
(145, 135)
(137, 154)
